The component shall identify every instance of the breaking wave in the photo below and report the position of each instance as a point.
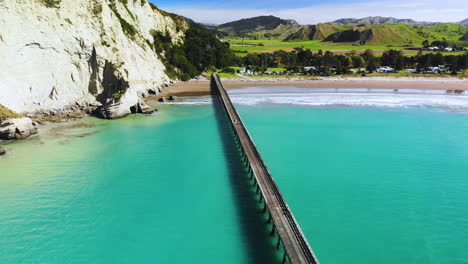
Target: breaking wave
(335, 97)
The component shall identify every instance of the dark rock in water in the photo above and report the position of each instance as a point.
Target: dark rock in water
(2, 152)
(123, 108)
(161, 100)
(152, 112)
(18, 128)
(171, 98)
(144, 108)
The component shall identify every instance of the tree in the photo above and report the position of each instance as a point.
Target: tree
(440, 44)
(425, 43)
(357, 61)
(393, 58)
(329, 59)
(342, 64)
(373, 64)
(371, 61)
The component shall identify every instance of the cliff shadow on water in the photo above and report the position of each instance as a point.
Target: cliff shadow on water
(259, 244)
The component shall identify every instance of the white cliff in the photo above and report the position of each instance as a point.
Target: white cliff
(56, 54)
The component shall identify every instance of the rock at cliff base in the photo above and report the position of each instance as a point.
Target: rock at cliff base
(144, 108)
(18, 128)
(2, 152)
(128, 104)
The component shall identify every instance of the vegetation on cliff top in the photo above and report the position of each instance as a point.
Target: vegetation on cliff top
(200, 51)
(6, 113)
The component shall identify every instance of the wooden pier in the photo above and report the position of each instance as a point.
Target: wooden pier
(295, 245)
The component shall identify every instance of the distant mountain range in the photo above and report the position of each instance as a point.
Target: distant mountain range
(464, 22)
(371, 30)
(378, 20)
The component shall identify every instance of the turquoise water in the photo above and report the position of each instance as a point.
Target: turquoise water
(371, 185)
(162, 189)
(367, 185)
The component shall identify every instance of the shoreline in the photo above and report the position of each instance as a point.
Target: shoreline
(202, 87)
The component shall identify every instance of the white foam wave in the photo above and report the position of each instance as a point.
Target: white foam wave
(355, 99)
(369, 99)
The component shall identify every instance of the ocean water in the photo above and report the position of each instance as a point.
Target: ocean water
(159, 189)
(371, 178)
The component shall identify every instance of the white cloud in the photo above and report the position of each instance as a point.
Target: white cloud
(421, 10)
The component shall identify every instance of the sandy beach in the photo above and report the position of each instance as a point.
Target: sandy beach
(202, 87)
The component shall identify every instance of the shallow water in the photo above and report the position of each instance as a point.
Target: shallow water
(162, 189)
(375, 184)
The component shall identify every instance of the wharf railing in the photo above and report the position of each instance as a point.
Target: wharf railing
(296, 248)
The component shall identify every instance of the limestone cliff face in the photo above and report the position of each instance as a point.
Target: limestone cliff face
(60, 53)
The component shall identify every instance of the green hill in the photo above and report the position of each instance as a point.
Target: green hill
(399, 34)
(316, 32)
(274, 28)
(351, 35)
(465, 37)
(257, 26)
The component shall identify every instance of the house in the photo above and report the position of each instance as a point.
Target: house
(309, 68)
(386, 69)
(434, 69)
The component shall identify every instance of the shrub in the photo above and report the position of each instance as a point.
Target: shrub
(127, 28)
(229, 70)
(51, 3)
(6, 113)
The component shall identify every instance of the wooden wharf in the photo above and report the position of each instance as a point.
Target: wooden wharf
(296, 248)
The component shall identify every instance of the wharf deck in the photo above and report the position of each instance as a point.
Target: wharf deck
(295, 244)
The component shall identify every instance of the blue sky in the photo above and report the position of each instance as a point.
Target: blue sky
(241, 4)
(313, 11)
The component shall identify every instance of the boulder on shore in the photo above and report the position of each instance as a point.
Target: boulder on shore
(17, 128)
(120, 107)
(2, 152)
(128, 104)
(146, 109)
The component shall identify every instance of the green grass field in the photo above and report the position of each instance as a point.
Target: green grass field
(274, 45)
(243, 47)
